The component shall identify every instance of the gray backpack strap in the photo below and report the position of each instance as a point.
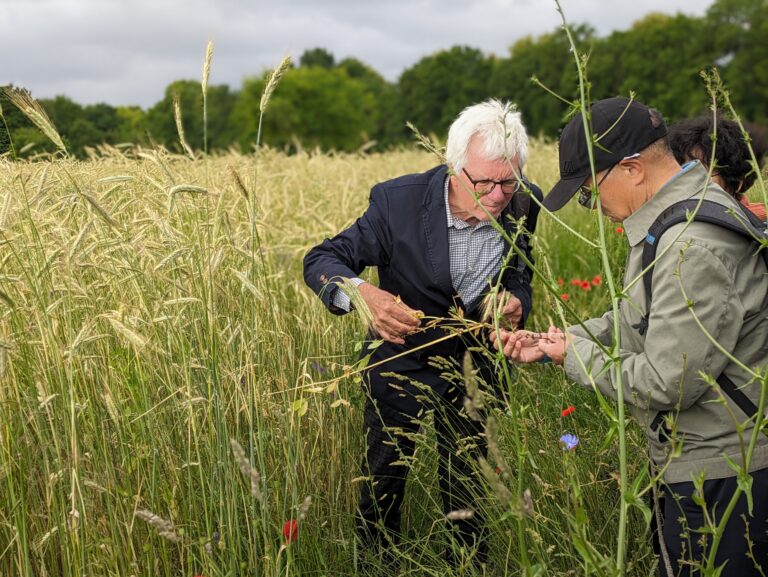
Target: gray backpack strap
(744, 223)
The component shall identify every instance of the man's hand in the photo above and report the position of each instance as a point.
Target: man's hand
(513, 309)
(507, 304)
(519, 346)
(554, 343)
(392, 318)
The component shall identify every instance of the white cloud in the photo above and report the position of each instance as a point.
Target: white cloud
(128, 51)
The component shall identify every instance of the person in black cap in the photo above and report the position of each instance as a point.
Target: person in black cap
(621, 129)
(708, 316)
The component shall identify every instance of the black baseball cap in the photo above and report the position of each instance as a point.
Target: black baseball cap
(621, 126)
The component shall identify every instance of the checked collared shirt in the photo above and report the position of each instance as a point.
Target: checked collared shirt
(475, 253)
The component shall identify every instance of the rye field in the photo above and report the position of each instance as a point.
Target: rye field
(175, 402)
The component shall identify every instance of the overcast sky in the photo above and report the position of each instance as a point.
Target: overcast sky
(128, 51)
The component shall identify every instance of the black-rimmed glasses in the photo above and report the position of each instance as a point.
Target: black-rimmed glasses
(585, 191)
(485, 185)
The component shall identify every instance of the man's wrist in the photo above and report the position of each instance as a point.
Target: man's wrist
(341, 300)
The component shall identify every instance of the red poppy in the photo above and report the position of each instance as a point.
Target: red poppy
(585, 285)
(575, 282)
(290, 530)
(619, 230)
(597, 280)
(564, 296)
(569, 411)
(560, 281)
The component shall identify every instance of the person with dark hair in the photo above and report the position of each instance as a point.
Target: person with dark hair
(693, 139)
(707, 320)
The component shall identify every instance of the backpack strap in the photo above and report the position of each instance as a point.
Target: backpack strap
(731, 391)
(737, 396)
(745, 224)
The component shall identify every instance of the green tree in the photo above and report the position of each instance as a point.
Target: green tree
(382, 111)
(549, 59)
(221, 101)
(161, 122)
(132, 125)
(12, 120)
(669, 79)
(104, 119)
(28, 140)
(738, 29)
(245, 113)
(316, 107)
(81, 132)
(317, 57)
(63, 112)
(433, 91)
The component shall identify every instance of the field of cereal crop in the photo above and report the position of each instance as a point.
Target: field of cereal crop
(153, 317)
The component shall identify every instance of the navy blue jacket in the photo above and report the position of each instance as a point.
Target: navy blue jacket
(404, 233)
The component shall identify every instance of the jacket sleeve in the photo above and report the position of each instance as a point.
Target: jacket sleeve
(520, 283)
(600, 327)
(366, 243)
(666, 375)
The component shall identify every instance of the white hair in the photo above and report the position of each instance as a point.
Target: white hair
(499, 126)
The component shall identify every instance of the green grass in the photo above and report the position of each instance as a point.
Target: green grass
(142, 329)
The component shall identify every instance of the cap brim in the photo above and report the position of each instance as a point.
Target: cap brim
(562, 192)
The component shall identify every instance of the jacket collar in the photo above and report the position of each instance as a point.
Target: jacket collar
(692, 180)
(436, 229)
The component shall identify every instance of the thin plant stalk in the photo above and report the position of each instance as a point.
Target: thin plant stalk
(621, 538)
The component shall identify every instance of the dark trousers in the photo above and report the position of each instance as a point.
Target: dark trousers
(389, 448)
(683, 520)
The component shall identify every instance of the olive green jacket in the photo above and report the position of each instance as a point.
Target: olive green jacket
(662, 370)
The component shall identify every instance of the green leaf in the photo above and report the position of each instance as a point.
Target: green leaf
(300, 406)
(744, 482)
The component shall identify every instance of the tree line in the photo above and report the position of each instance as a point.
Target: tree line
(347, 105)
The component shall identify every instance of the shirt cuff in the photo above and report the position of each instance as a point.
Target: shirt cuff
(341, 300)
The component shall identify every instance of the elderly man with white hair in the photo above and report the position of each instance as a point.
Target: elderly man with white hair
(432, 238)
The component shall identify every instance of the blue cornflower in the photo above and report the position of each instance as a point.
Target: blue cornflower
(569, 442)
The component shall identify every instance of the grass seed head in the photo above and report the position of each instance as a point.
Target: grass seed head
(272, 82)
(304, 508)
(245, 468)
(460, 515)
(164, 528)
(473, 402)
(492, 437)
(180, 126)
(207, 66)
(32, 109)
